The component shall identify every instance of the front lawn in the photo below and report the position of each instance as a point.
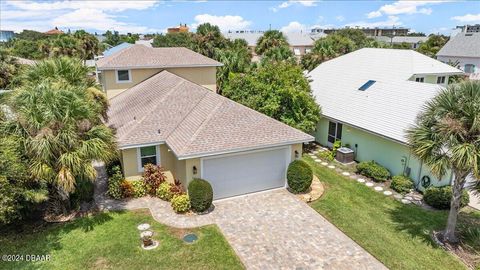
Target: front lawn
(396, 234)
(111, 241)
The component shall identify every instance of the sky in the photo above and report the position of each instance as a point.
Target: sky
(289, 16)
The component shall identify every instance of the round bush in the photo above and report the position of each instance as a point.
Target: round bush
(299, 176)
(201, 195)
(163, 191)
(440, 197)
(373, 170)
(401, 184)
(180, 203)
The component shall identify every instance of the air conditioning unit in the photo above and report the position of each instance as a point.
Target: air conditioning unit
(344, 155)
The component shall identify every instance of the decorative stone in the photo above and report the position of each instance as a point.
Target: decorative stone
(361, 180)
(408, 198)
(378, 188)
(387, 193)
(315, 152)
(143, 227)
(146, 234)
(368, 184)
(406, 201)
(398, 196)
(324, 163)
(331, 167)
(318, 160)
(346, 173)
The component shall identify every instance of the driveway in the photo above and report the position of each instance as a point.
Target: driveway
(275, 230)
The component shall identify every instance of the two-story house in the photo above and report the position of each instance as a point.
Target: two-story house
(370, 97)
(165, 110)
(463, 50)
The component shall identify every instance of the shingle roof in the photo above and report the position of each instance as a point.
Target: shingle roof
(117, 48)
(141, 56)
(192, 120)
(462, 45)
(391, 104)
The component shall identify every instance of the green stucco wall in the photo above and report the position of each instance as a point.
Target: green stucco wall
(388, 153)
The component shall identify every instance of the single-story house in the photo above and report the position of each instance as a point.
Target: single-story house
(370, 97)
(194, 132)
(464, 51)
(413, 41)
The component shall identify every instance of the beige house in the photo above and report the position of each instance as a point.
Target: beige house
(130, 66)
(179, 123)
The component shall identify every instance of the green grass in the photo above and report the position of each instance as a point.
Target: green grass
(111, 241)
(396, 234)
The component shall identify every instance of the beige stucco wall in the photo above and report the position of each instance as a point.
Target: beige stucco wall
(205, 76)
(129, 163)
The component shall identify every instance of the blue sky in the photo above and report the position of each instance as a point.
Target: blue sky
(293, 16)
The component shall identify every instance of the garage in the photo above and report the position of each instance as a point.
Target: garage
(247, 172)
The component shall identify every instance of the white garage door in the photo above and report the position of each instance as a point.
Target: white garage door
(237, 174)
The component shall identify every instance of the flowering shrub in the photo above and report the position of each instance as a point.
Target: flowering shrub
(163, 191)
(139, 188)
(180, 203)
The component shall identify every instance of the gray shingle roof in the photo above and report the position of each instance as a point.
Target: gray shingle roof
(141, 56)
(192, 120)
(462, 45)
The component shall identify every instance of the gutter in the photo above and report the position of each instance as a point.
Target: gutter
(157, 66)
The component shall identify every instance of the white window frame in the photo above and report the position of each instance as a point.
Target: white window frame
(444, 79)
(139, 156)
(129, 76)
(420, 79)
(308, 50)
(297, 51)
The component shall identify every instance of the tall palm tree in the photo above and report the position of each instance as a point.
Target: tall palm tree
(447, 137)
(88, 43)
(269, 40)
(208, 40)
(278, 54)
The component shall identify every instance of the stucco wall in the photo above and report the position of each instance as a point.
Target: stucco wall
(462, 61)
(431, 79)
(396, 157)
(129, 163)
(296, 147)
(205, 76)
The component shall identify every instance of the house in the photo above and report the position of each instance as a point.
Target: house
(182, 28)
(369, 31)
(370, 107)
(463, 50)
(413, 41)
(130, 66)
(193, 132)
(145, 42)
(6, 35)
(54, 31)
(117, 48)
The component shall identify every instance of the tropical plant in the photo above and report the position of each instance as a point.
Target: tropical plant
(180, 203)
(163, 191)
(433, 44)
(236, 58)
(278, 54)
(27, 49)
(356, 35)
(153, 176)
(139, 188)
(115, 183)
(270, 39)
(208, 40)
(181, 39)
(9, 70)
(88, 44)
(112, 38)
(65, 45)
(446, 137)
(325, 49)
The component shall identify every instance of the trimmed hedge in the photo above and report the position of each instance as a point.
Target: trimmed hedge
(440, 197)
(299, 176)
(373, 170)
(180, 203)
(201, 194)
(401, 184)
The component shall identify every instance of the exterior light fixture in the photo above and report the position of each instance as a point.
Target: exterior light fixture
(194, 170)
(296, 154)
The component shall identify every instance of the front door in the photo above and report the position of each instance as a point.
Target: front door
(334, 133)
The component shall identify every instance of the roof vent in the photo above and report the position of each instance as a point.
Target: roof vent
(366, 85)
(468, 35)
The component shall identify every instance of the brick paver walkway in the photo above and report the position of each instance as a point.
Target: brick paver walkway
(269, 230)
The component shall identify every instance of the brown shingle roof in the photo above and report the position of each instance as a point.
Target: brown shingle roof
(194, 121)
(140, 56)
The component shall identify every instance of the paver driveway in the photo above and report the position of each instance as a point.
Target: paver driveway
(275, 230)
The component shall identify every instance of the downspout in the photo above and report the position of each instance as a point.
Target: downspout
(419, 174)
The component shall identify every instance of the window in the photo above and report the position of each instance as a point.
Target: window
(334, 132)
(123, 76)
(469, 68)
(366, 85)
(296, 51)
(147, 155)
(440, 79)
(420, 79)
(308, 50)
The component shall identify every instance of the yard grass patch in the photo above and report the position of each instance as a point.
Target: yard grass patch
(396, 234)
(112, 241)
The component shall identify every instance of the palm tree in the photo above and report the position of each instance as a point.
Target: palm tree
(278, 54)
(208, 40)
(446, 136)
(88, 43)
(269, 40)
(9, 69)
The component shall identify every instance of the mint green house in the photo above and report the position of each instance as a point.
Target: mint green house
(370, 97)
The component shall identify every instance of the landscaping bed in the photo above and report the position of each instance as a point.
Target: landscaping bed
(111, 241)
(399, 235)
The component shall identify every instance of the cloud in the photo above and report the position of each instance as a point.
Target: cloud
(403, 7)
(392, 21)
(305, 3)
(467, 18)
(226, 23)
(293, 27)
(340, 18)
(115, 6)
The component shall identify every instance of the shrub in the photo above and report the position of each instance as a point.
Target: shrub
(177, 188)
(139, 188)
(401, 184)
(326, 155)
(153, 176)
(201, 194)
(83, 192)
(299, 176)
(373, 170)
(163, 191)
(440, 197)
(127, 189)
(180, 203)
(114, 183)
(113, 166)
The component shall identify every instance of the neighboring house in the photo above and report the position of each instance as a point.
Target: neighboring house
(464, 51)
(117, 48)
(54, 31)
(371, 32)
(196, 133)
(370, 108)
(146, 42)
(130, 66)
(413, 41)
(6, 35)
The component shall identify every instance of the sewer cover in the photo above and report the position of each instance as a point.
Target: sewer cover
(190, 238)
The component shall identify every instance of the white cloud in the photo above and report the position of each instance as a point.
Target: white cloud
(115, 6)
(226, 23)
(340, 18)
(467, 18)
(392, 21)
(403, 7)
(306, 3)
(294, 27)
